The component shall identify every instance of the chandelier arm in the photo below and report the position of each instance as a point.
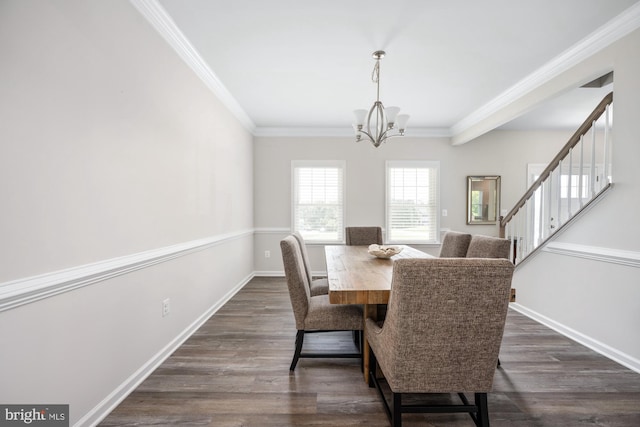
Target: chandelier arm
(366, 133)
(382, 127)
(381, 121)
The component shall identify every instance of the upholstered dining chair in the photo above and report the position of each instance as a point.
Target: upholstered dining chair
(316, 286)
(442, 334)
(314, 313)
(488, 247)
(454, 245)
(356, 236)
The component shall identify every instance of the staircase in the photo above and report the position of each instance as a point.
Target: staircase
(577, 177)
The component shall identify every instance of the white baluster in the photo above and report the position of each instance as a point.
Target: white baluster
(592, 174)
(607, 135)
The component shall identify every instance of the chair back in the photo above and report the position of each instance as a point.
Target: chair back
(305, 254)
(488, 247)
(445, 322)
(455, 245)
(357, 236)
(296, 279)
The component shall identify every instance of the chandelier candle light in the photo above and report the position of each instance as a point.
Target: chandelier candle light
(383, 120)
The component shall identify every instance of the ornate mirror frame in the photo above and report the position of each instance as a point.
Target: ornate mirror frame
(483, 199)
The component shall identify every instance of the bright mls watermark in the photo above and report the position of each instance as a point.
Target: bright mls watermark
(34, 415)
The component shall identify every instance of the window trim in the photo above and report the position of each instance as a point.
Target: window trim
(431, 164)
(341, 164)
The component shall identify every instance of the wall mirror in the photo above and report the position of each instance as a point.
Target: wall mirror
(483, 199)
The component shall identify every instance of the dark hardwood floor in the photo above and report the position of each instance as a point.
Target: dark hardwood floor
(234, 371)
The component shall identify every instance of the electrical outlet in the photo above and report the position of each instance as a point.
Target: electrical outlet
(166, 308)
(267, 254)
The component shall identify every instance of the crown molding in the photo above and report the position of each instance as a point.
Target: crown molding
(162, 22)
(342, 132)
(303, 131)
(615, 29)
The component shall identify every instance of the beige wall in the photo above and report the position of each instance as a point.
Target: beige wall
(111, 147)
(504, 153)
(594, 301)
(600, 301)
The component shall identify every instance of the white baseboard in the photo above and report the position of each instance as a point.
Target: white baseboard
(595, 345)
(104, 408)
(269, 273)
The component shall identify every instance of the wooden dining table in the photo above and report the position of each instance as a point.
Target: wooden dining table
(357, 277)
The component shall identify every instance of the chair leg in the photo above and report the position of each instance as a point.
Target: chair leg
(396, 411)
(356, 337)
(372, 368)
(483, 410)
(296, 355)
(361, 349)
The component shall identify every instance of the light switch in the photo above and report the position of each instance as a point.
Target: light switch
(444, 212)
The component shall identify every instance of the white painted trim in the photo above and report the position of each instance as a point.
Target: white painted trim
(614, 256)
(343, 132)
(612, 31)
(162, 22)
(269, 273)
(273, 230)
(347, 131)
(615, 29)
(30, 289)
(595, 345)
(109, 403)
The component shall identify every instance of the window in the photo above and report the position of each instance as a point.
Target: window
(318, 201)
(575, 186)
(413, 202)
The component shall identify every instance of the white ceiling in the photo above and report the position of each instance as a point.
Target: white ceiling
(307, 64)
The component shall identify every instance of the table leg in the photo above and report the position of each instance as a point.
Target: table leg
(370, 310)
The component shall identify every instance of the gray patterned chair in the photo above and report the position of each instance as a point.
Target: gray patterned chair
(454, 245)
(357, 236)
(316, 286)
(314, 313)
(488, 247)
(442, 333)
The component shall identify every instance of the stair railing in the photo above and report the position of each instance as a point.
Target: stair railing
(576, 177)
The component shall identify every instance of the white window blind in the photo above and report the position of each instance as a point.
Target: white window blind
(318, 200)
(412, 202)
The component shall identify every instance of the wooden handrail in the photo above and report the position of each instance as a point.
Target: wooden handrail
(573, 141)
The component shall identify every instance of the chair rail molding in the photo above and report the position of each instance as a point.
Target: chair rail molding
(30, 289)
(273, 230)
(614, 256)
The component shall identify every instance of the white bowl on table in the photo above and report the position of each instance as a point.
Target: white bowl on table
(383, 251)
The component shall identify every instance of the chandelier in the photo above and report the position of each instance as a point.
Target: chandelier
(381, 123)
